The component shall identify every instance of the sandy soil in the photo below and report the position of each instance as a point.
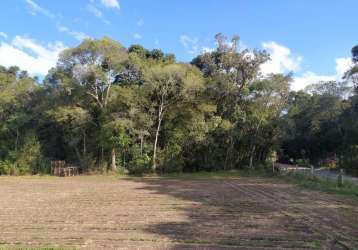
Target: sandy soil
(107, 213)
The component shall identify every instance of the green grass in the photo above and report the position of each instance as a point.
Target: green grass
(204, 175)
(317, 183)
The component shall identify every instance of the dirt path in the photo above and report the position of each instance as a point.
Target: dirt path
(105, 213)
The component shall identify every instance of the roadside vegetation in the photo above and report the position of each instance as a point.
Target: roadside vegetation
(321, 184)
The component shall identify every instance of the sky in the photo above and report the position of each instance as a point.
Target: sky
(310, 39)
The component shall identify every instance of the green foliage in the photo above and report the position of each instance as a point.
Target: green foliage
(29, 159)
(155, 54)
(116, 134)
(172, 158)
(322, 185)
(312, 124)
(140, 110)
(139, 165)
(140, 161)
(7, 168)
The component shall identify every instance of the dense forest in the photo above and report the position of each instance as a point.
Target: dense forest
(107, 107)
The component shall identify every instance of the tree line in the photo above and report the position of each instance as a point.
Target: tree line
(107, 107)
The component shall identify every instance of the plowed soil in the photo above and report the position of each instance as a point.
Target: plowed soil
(108, 213)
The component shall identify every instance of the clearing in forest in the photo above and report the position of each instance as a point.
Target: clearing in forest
(105, 213)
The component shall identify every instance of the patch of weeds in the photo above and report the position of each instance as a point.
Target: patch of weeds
(316, 183)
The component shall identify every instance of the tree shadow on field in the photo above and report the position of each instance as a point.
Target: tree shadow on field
(220, 214)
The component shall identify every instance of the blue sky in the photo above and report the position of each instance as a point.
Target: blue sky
(310, 38)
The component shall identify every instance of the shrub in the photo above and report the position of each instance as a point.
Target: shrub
(29, 159)
(140, 164)
(87, 162)
(172, 159)
(6, 167)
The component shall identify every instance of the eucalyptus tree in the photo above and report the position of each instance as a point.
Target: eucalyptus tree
(313, 123)
(74, 121)
(168, 86)
(349, 119)
(265, 104)
(230, 71)
(16, 90)
(94, 65)
(17, 120)
(117, 135)
(88, 73)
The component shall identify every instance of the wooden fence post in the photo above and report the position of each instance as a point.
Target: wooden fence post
(312, 170)
(340, 178)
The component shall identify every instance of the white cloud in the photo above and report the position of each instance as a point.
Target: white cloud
(97, 13)
(194, 46)
(76, 34)
(281, 59)
(30, 55)
(191, 44)
(187, 41)
(140, 22)
(111, 4)
(3, 34)
(137, 36)
(308, 78)
(282, 62)
(343, 65)
(34, 9)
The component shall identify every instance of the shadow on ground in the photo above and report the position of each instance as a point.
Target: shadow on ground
(251, 213)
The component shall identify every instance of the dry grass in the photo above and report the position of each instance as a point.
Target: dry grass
(103, 212)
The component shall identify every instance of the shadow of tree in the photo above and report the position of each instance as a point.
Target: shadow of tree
(247, 213)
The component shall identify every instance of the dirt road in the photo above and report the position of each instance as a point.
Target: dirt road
(108, 213)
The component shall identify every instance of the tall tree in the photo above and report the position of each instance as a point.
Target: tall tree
(168, 86)
(94, 65)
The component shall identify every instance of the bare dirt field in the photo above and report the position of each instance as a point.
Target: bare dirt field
(108, 213)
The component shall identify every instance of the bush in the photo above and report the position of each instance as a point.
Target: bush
(29, 159)
(41, 166)
(103, 166)
(6, 167)
(140, 164)
(172, 160)
(87, 162)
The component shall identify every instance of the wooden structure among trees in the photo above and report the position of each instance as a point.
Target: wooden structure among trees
(60, 168)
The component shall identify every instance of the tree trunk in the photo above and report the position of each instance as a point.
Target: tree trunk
(252, 156)
(141, 145)
(84, 142)
(108, 88)
(252, 152)
(228, 153)
(113, 165)
(17, 140)
(124, 158)
(160, 116)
